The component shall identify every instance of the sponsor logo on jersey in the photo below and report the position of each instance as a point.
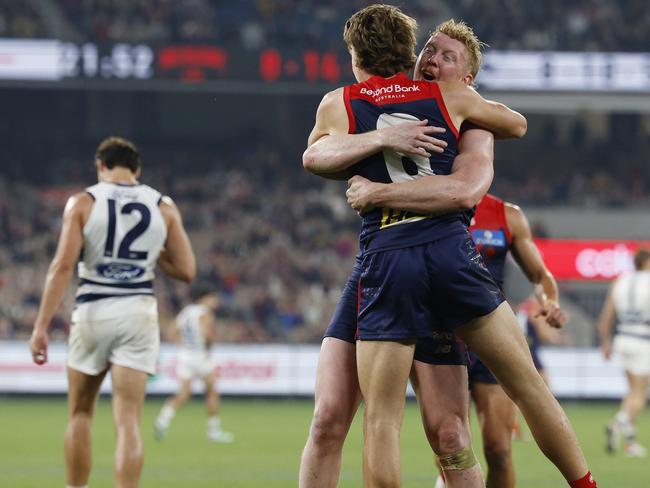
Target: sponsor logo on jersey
(387, 90)
(494, 238)
(120, 271)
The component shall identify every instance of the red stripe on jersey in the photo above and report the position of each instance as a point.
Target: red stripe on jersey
(348, 108)
(491, 214)
(435, 88)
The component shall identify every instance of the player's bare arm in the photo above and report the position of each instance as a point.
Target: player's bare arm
(207, 325)
(60, 271)
(177, 258)
(530, 261)
(605, 325)
(465, 103)
(331, 149)
(470, 179)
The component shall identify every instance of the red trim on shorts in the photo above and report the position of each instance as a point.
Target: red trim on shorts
(348, 108)
(443, 108)
(356, 334)
(465, 350)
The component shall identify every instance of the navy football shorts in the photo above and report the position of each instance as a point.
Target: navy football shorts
(478, 372)
(442, 348)
(344, 321)
(406, 292)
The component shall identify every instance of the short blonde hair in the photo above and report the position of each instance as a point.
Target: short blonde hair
(383, 39)
(464, 34)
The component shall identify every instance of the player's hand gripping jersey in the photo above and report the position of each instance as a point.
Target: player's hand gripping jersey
(123, 237)
(380, 102)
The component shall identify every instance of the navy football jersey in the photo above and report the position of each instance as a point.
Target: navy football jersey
(381, 102)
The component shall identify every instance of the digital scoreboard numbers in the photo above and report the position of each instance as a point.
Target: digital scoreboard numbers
(121, 61)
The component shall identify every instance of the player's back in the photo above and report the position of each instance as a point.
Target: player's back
(490, 232)
(380, 102)
(631, 295)
(123, 238)
(189, 327)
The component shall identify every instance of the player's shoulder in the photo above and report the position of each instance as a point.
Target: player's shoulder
(79, 202)
(332, 99)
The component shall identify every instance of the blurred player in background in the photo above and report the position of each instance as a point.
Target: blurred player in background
(121, 229)
(628, 303)
(197, 332)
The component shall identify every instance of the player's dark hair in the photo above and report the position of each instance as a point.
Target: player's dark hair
(383, 39)
(116, 151)
(200, 289)
(641, 258)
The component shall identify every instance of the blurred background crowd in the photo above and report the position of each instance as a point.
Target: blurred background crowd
(576, 25)
(276, 242)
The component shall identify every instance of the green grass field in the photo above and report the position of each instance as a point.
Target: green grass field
(269, 439)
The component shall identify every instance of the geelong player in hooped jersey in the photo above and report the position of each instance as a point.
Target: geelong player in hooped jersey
(628, 307)
(196, 332)
(456, 291)
(119, 230)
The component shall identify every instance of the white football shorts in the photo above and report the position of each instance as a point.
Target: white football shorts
(194, 364)
(634, 354)
(132, 341)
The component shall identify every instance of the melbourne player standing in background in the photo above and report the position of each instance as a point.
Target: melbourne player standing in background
(628, 302)
(197, 332)
(119, 230)
(498, 228)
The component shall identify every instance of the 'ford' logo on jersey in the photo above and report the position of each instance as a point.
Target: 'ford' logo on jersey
(120, 271)
(495, 238)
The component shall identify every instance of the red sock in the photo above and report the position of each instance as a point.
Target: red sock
(587, 481)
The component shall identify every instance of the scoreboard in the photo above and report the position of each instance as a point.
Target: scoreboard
(56, 60)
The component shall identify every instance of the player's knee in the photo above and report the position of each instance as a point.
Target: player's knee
(451, 435)
(328, 428)
(497, 455)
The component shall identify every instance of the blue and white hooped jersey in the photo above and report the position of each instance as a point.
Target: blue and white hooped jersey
(189, 327)
(381, 102)
(631, 295)
(123, 237)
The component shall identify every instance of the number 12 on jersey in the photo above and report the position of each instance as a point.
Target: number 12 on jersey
(124, 250)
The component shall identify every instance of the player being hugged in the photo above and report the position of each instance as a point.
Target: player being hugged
(118, 229)
(196, 329)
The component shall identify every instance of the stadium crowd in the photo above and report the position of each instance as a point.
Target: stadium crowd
(582, 25)
(276, 242)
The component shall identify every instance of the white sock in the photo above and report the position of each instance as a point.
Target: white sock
(82, 486)
(214, 423)
(622, 417)
(166, 415)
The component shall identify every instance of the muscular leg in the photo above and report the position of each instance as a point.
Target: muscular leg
(637, 397)
(212, 398)
(443, 398)
(82, 394)
(383, 368)
(498, 341)
(129, 387)
(168, 411)
(337, 399)
(496, 414)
